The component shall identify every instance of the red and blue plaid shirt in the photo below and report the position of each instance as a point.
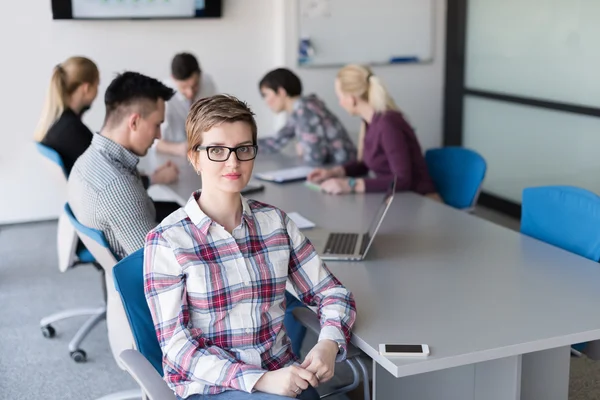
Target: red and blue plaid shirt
(218, 299)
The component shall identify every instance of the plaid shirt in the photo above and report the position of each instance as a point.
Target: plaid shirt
(218, 299)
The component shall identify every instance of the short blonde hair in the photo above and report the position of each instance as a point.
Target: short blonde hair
(213, 111)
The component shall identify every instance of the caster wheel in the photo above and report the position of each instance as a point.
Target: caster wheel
(48, 331)
(79, 356)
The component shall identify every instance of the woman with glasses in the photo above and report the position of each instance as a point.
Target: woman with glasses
(215, 277)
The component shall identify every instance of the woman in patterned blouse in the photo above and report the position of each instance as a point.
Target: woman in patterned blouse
(215, 277)
(320, 136)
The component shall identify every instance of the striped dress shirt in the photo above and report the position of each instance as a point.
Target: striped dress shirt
(218, 299)
(107, 193)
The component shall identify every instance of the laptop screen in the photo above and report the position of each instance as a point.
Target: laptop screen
(378, 219)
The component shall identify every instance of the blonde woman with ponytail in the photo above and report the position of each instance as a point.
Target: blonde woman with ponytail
(388, 146)
(73, 88)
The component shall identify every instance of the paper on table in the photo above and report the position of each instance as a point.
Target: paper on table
(302, 222)
(285, 175)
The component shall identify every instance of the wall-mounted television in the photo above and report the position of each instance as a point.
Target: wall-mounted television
(135, 9)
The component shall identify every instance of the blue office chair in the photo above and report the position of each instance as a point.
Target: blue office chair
(457, 174)
(74, 256)
(70, 255)
(53, 156)
(566, 217)
(119, 334)
(145, 364)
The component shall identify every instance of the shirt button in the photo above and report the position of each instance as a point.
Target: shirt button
(246, 283)
(248, 330)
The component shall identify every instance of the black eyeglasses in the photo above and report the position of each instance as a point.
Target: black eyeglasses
(221, 153)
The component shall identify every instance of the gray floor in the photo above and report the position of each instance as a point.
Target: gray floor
(31, 287)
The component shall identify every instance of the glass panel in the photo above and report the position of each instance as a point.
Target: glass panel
(529, 146)
(544, 49)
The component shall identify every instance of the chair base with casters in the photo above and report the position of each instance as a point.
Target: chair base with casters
(96, 315)
(70, 257)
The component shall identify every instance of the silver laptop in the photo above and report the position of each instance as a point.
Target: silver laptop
(350, 246)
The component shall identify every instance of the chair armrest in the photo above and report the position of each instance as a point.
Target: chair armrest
(309, 319)
(146, 376)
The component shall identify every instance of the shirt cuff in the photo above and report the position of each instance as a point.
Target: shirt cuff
(250, 379)
(335, 334)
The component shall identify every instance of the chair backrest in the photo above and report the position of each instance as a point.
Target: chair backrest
(53, 156)
(129, 282)
(564, 216)
(457, 174)
(66, 242)
(94, 240)
(119, 334)
(66, 236)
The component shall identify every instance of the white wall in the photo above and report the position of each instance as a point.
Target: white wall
(418, 89)
(236, 50)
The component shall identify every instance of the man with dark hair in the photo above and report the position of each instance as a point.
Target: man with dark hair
(106, 192)
(320, 136)
(191, 84)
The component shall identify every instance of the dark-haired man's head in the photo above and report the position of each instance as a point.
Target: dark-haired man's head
(186, 74)
(135, 110)
(279, 87)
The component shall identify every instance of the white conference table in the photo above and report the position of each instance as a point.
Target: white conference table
(499, 310)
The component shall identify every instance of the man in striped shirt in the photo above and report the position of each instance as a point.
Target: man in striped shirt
(106, 192)
(216, 271)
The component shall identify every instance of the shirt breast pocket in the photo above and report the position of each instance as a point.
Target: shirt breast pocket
(275, 266)
(196, 279)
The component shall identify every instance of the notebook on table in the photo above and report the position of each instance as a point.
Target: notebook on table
(285, 175)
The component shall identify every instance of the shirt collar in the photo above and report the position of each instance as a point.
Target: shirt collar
(203, 221)
(115, 151)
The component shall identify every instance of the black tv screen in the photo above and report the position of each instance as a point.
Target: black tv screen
(135, 9)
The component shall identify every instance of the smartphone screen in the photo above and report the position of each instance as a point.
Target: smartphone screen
(403, 348)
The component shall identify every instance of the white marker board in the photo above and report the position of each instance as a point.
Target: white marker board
(371, 32)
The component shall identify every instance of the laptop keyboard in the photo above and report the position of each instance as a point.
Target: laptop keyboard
(341, 243)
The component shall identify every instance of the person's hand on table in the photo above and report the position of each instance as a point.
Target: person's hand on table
(336, 186)
(165, 174)
(319, 175)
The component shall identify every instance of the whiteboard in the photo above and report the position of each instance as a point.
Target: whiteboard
(339, 32)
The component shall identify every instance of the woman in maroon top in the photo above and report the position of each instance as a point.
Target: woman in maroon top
(387, 143)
